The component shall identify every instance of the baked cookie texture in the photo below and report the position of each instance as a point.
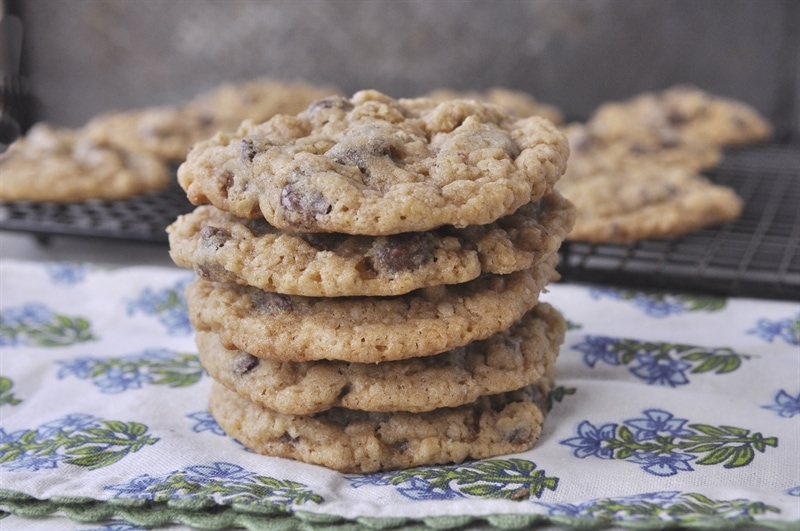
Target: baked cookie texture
(363, 442)
(635, 169)
(58, 164)
(223, 248)
(365, 329)
(506, 361)
(368, 273)
(516, 102)
(374, 165)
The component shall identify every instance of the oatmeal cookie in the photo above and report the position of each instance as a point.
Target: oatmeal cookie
(365, 329)
(224, 248)
(168, 132)
(377, 166)
(516, 102)
(362, 442)
(503, 362)
(225, 107)
(61, 165)
(692, 113)
(646, 202)
(591, 152)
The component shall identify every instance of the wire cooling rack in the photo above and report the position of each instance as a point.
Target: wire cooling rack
(141, 218)
(757, 255)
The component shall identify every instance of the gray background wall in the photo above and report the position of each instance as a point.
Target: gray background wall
(87, 56)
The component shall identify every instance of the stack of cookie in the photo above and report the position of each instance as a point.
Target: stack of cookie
(368, 276)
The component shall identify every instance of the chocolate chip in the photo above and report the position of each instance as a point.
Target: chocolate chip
(302, 208)
(212, 237)
(258, 226)
(270, 302)
(226, 182)
(288, 439)
(520, 436)
(403, 252)
(244, 363)
(248, 149)
(332, 102)
(325, 241)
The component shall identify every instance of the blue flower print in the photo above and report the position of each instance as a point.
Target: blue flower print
(794, 491)
(219, 482)
(153, 366)
(666, 464)
(785, 404)
(34, 324)
(168, 305)
(787, 330)
(66, 273)
(598, 348)
(659, 371)
(205, 422)
(66, 424)
(658, 363)
(657, 422)
(663, 445)
(661, 305)
(590, 440)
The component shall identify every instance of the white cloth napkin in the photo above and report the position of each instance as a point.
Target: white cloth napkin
(668, 409)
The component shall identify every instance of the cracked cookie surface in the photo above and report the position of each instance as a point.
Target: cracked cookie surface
(224, 248)
(362, 442)
(505, 361)
(374, 165)
(365, 329)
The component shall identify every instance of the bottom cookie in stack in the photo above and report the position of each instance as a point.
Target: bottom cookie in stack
(484, 399)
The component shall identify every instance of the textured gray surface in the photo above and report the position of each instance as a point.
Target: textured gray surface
(86, 56)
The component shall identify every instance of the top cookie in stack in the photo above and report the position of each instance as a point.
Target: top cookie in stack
(368, 275)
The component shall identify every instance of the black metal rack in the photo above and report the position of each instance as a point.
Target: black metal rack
(758, 255)
(142, 218)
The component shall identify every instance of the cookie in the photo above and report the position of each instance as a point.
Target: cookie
(61, 165)
(633, 204)
(516, 102)
(364, 329)
(168, 132)
(505, 361)
(592, 152)
(373, 165)
(163, 132)
(694, 114)
(224, 248)
(226, 106)
(362, 442)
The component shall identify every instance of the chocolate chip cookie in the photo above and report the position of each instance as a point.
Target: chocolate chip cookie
(365, 329)
(505, 361)
(694, 114)
(516, 102)
(62, 165)
(631, 204)
(374, 165)
(363, 442)
(224, 248)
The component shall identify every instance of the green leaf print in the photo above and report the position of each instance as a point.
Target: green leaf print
(6, 396)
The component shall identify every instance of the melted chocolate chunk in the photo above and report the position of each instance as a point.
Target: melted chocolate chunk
(302, 208)
(403, 252)
(244, 363)
(266, 301)
(332, 102)
(326, 241)
(248, 150)
(258, 226)
(212, 237)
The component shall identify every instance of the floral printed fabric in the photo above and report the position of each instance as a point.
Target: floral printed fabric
(668, 409)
